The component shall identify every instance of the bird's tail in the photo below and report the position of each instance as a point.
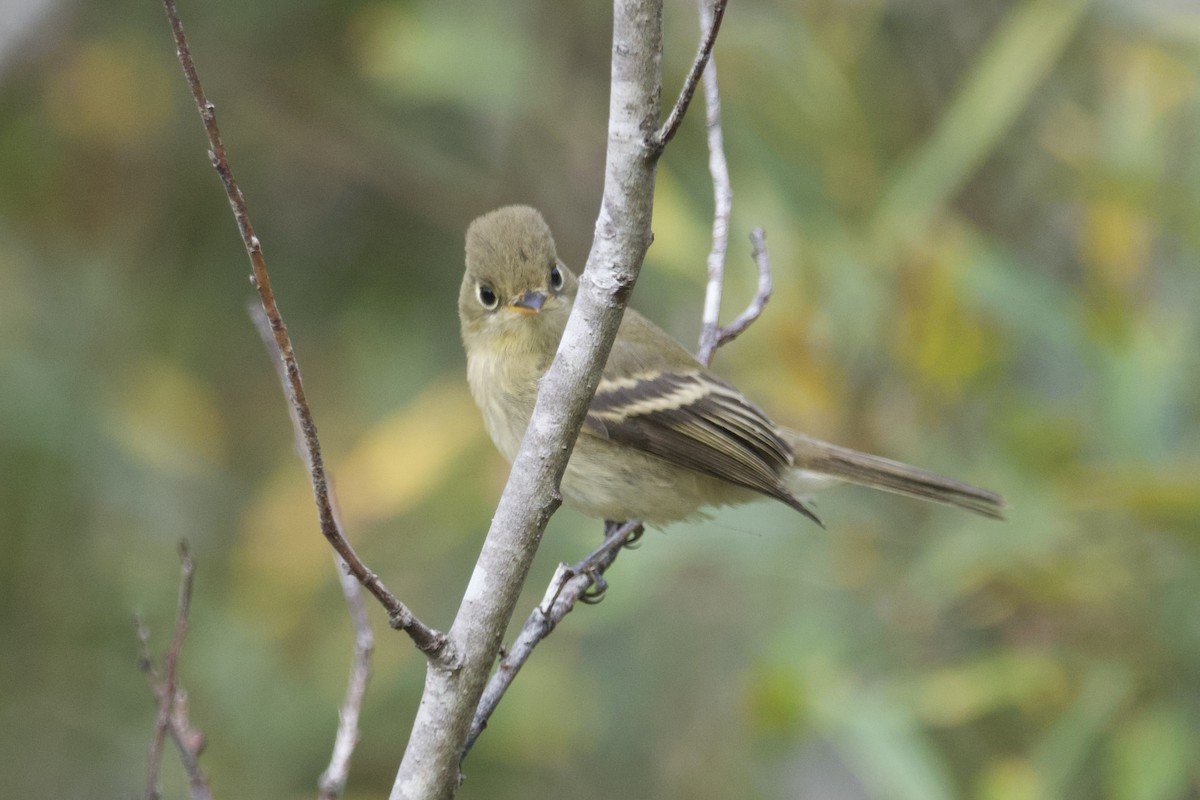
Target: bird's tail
(842, 463)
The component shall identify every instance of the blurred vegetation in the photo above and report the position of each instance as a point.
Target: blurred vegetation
(984, 218)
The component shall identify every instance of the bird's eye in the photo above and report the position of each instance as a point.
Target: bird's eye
(556, 278)
(487, 297)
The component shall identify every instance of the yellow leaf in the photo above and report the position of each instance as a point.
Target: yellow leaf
(166, 418)
(396, 465)
(406, 455)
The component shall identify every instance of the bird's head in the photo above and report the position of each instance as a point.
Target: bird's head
(515, 293)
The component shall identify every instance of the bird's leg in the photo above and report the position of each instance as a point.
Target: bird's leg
(616, 536)
(633, 536)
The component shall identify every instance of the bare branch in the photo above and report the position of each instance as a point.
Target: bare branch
(172, 701)
(431, 762)
(429, 641)
(712, 335)
(163, 720)
(758, 240)
(585, 580)
(664, 134)
(571, 584)
(722, 205)
(333, 779)
(189, 742)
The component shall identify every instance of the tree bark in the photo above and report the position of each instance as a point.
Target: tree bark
(430, 767)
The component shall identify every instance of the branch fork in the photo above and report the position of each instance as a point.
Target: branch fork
(172, 720)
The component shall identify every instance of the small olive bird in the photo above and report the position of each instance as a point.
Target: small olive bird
(664, 438)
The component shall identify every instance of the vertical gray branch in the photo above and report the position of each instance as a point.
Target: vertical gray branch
(430, 768)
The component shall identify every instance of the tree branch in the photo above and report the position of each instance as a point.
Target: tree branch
(712, 335)
(427, 640)
(571, 584)
(718, 168)
(758, 242)
(172, 701)
(399, 616)
(585, 580)
(430, 768)
(664, 134)
(333, 779)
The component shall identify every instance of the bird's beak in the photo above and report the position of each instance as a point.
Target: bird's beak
(529, 303)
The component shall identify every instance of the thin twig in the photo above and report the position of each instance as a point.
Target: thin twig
(399, 617)
(172, 701)
(718, 168)
(585, 581)
(712, 335)
(758, 241)
(163, 719)
(189, 742)
(431, 642)
(333, 779)
(664, 134)
(570, 585)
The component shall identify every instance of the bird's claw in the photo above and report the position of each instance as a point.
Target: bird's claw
(595, 592)
(634, 539)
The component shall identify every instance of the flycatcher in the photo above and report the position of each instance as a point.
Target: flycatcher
(664, 438)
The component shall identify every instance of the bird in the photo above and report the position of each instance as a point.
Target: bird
(664, 439)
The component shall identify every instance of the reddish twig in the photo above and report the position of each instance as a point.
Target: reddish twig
(664, 134)
(399, 616)
(333, 780)
(433, 643)
(172, 701)
(163, 719)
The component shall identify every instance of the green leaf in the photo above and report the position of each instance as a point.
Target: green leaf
(1064, 750)
(1152, 756)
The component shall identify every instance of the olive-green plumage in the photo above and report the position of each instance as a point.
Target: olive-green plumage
(664, 438)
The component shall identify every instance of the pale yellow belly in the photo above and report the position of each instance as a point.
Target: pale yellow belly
(603, 479)
(617, 482)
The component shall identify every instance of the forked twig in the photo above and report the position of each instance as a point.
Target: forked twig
(710, 27)
(431, 642)
(758, 242)
(712, 335)
(172, 717)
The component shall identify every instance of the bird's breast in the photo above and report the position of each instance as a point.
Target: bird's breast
(504, 386)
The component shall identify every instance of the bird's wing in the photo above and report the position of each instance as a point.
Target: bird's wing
(695, 420)
(656, 397)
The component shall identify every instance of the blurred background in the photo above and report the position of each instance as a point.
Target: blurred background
(984, 219)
